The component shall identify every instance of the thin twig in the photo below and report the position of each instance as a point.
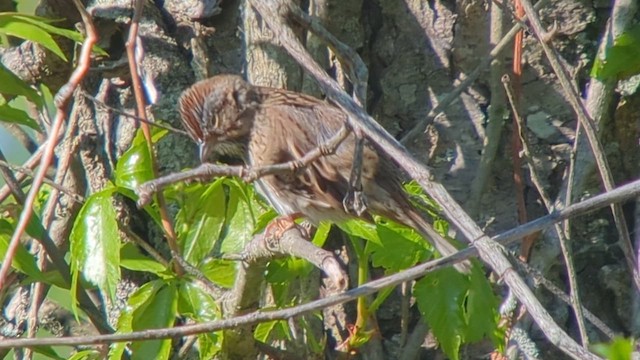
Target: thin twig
(31, 163)
(107, 107)
(574, 294)
(61, 100)
(538, 278)
(590, 130)
(622, 193)
(53, 184)
(132, 43)
(248, 174)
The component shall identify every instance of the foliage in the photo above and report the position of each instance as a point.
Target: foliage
(618, 349)
(622, 59)
(460, 308)
(41, 31)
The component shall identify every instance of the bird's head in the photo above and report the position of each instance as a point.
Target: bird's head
(218, 115)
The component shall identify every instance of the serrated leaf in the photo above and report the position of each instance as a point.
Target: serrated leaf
(440, 296)
(9, 114)
(220, 272)
(200, 220)
(198, 305)
(240, 221)
(399, 247)
(13, 85)
(283, 271)
(159, 311)
(95, 243)
(132, 258)
(481, 308)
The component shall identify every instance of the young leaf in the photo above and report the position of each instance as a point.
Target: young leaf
(159, 311)
(95, 244)
(200, 220)
(134, 166)
(618, 349)
(9, 114)
(13, 85)
(131, 258)
(440, 296)
(196, 304)
(30, 28)
(23, 261)
(240, 220)
(221, 272)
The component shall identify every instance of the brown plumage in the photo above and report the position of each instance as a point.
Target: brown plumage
(226, 115)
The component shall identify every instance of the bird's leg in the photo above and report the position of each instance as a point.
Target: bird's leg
(354, 200)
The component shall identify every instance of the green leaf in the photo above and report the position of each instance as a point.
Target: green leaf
(86, 355)
(134, 166)
(12, 85)
(263, 330)
(440, 296)
(321, 234)
(131, 258)
(221, 272)
(481, 308)
(198, 305)
(139, 299)
(399, 247)
(95, 244)
(240, 219)
(157, 311)
(9, 114)
(200, 221)
(618, 349)
(622, 59)
(23, 261)
(30, 28)
(277, 329)
(360, 229)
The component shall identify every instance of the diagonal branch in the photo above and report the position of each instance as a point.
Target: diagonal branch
(626, 192)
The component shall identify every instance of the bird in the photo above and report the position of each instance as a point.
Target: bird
(227, 116)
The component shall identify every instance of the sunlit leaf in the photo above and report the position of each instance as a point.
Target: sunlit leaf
(221, 272)
(159, 311)
(198, 305)
(23, 261)
(31, 28)
(622, 59)
(10, 114)
(132, 258)
(95, 244)
(240, 220)
(134, 166)
(440, 296)
(12, 85)
(618, 349)
(200, 220)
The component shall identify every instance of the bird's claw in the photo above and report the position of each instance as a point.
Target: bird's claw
(355, 202)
